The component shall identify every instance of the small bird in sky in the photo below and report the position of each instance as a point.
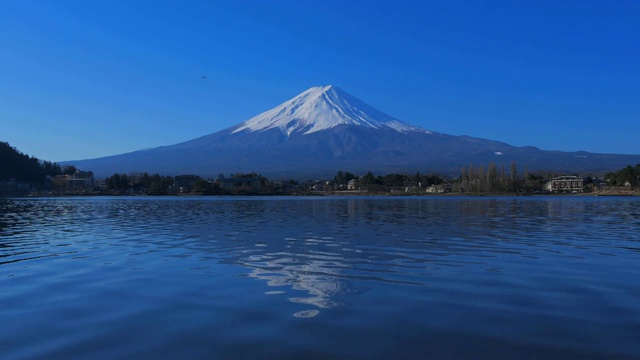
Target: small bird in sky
(202, 76)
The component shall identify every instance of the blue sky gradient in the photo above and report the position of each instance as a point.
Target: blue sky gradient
(84, 79)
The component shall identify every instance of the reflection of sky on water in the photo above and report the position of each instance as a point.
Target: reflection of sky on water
(333, 246)
(315, 251)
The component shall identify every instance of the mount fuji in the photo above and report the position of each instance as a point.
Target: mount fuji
(322, 108)
(323, 130)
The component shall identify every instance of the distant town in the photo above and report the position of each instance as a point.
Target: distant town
(21, 175)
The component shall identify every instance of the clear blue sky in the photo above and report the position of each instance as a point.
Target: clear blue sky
(83, 79)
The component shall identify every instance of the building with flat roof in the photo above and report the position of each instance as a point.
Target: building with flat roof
(565, 184)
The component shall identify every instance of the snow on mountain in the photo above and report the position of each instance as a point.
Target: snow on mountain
(321, 108)
(326, 130)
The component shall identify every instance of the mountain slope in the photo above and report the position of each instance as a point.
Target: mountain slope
(321, 108)
(323, 130)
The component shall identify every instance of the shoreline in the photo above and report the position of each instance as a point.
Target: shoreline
(606, 193)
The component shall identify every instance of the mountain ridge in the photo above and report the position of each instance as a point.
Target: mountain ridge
(320, 108)
(324, 129)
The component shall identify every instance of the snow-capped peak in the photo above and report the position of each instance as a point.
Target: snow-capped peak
(320, 108)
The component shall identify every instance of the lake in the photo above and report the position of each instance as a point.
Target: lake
(320, 277)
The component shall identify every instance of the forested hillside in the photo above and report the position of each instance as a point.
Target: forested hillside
(22, 167)
(629, 176)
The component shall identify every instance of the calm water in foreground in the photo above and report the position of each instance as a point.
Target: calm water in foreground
(316, 278)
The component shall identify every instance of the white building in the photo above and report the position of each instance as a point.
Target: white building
(439, 189)
(565, 184)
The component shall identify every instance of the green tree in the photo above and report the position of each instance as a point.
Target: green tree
(342, 178)
(629, 174)
(24, 168)
(69, 170)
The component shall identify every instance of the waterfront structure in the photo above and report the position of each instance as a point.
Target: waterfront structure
(80, 181)
(8, 186)
(58, 182)
(439, 189)
(566, 184)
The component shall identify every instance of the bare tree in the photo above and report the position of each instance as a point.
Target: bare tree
(482, 179)
(492, 177)
(514, 173)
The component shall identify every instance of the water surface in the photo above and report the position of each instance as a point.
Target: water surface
(369, 278)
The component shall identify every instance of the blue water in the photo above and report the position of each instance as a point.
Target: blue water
(317, 278)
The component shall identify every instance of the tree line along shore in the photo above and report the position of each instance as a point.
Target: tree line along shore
(22, 175)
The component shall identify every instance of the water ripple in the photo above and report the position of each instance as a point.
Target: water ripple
(549, 273)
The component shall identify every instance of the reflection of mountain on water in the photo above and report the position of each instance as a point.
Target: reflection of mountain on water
(313, 277)
(315, 272)
(313, 250)
(325, 248)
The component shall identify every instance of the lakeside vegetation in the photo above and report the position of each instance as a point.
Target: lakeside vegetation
(629, 176)
(24, 168)
(19, 168)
